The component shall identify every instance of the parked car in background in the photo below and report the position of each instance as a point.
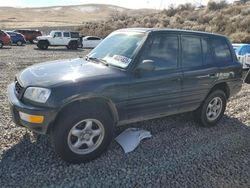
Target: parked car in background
(29, 34)
(90, 41)
(242, 52)
(16, 38)
(133, 75)
(59, 38)
(4, 39)
(236, 45)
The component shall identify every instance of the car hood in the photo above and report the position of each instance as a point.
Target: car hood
(60, 72)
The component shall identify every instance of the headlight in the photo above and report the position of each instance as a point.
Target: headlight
(37, 94)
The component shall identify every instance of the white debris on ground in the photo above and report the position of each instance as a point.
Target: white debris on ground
(131, 137)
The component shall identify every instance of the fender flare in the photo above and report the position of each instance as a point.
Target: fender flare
(44, 40)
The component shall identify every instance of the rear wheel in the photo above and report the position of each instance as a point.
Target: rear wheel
(19, 43)
(212, 109)
(83, 135)
(1, 44)
(43, 45)
(72, 45)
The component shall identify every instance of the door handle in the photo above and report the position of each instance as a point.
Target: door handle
(212, 75)
(176, 79)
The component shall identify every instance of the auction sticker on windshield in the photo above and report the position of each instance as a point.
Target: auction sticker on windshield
(122, 59)
(118, 60)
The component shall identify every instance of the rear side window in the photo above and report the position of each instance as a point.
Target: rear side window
(93, 38)
(163, 50)
(221, 50)
(66, 34)
(75, 35)
(191, 51)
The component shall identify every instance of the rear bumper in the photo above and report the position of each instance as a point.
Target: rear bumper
(17, 106)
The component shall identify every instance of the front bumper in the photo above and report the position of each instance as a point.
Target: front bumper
(17, 106)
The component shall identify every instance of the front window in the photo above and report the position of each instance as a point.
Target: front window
(56, 34)
(119, 48)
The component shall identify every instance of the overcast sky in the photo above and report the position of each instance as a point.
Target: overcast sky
(155, 4)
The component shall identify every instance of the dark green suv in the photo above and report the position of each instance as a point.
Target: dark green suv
(133, 75)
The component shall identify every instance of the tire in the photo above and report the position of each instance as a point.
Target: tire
(31, 41)
(19, 43)
(212, 109)
(43, 45)
(77, 128)
(1, 44)
(73, 45)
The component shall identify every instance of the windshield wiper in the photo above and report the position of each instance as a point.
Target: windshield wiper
(99, 60)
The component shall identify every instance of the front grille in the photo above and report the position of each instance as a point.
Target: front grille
(18, 88)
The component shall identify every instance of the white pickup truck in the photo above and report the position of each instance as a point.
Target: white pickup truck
(59, 38)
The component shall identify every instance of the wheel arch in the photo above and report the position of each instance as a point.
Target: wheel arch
(72, 41)
(98, 102)
(44, 40)
(221, 86)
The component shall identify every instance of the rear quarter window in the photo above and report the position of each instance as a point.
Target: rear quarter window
(75, 34)
(221, 50)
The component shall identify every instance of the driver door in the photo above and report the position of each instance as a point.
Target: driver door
(57, 39)
(157, 92)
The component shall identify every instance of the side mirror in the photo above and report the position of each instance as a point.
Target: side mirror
(146, 65)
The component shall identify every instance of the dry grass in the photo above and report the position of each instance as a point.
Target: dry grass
(57, 16)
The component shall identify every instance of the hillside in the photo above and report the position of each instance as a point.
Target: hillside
(59, 16)
(232, 20)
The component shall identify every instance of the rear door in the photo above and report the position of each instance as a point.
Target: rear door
(96, 41)
(157, 92)
(199, 70)
(66, 38)
(89, 42)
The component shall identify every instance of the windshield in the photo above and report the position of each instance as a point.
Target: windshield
(119, 48)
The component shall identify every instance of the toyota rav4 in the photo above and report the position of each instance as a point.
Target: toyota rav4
(132, 75)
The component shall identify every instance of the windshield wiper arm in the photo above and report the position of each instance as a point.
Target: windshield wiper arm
(87, 58)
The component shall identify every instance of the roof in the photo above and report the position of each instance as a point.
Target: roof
(148, 30)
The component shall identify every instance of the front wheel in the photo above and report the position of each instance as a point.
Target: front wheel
(212, 109)
(1, 44)
(83, 135)
(43, 45)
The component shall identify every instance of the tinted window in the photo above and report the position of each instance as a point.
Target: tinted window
(58, 34)
(221, 50)
(208, 55)
(93, 38)
(191, 51)
(66, 34)
(75, 35)
(163, 50)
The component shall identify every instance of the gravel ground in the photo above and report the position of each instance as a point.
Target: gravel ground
(180, 153)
